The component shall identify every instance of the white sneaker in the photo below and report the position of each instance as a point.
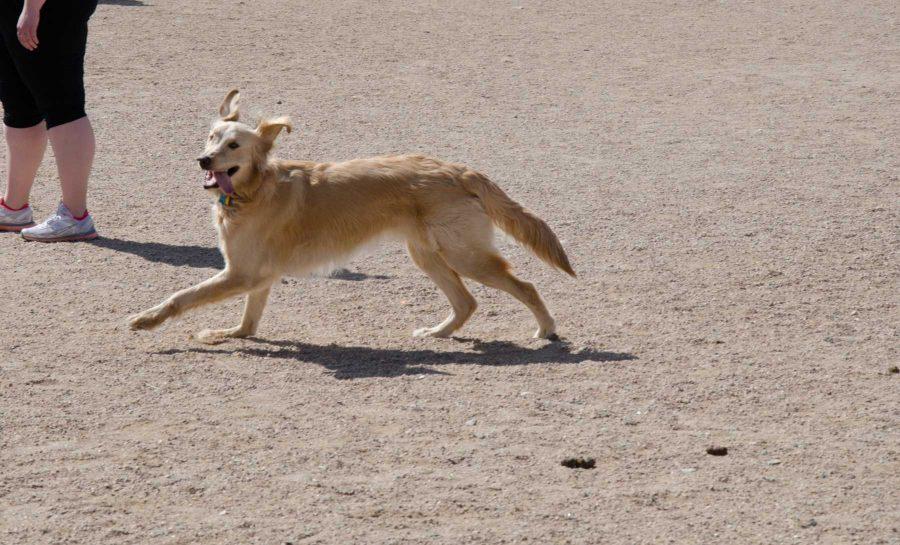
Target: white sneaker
(62, 227)
(15, 220)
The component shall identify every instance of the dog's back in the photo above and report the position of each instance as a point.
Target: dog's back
(330, 209)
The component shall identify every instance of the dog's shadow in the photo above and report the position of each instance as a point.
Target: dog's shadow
(354, 362)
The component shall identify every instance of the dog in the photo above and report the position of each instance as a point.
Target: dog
(277, 217)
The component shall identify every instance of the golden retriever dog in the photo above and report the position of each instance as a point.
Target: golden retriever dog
(276, 217)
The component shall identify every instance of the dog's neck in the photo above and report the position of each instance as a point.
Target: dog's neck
(235, 201)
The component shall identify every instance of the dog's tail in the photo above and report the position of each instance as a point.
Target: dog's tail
(517, 222)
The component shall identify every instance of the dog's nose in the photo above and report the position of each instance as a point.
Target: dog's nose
(205, 162)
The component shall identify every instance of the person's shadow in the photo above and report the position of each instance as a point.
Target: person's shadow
(170, 254)
(200, 257)
(123, 2)
(353, 362)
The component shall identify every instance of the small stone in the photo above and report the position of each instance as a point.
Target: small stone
(471, 422)
(688, 470)
(774, 462)
(893, 370)
(809, 523)
(717, 451)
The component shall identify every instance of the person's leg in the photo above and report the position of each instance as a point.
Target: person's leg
(54, 73)
(24, 153)
(73, 146)
(62, 98)
(25, 130)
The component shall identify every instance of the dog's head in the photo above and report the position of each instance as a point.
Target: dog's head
(235, 153)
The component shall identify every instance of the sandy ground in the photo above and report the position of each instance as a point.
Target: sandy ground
(724, 175)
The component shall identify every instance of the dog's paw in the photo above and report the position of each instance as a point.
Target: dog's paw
(211, 336)
(145, 320)
(218, 336)
(431, 332)
(549, 334)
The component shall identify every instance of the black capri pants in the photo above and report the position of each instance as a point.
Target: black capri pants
(46, 84)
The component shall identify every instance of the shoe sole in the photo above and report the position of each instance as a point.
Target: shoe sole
(76, 238)
(15, 228)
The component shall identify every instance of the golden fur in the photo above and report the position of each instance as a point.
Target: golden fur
(297, 217)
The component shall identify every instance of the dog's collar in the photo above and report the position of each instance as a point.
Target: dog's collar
(228, 201)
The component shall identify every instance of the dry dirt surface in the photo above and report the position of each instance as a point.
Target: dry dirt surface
(723, 174)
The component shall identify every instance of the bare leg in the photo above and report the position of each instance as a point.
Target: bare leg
(221, 286)
(24, 153)
(73, 146)
(449, 282)
(253, 309)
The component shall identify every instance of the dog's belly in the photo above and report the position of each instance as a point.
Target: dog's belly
(323, 259)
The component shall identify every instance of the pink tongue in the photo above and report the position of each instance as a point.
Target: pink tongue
(224, 181)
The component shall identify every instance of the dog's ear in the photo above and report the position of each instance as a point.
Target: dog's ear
(228, 111)
(269, 129)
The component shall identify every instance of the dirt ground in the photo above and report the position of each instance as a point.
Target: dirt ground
(723, 174)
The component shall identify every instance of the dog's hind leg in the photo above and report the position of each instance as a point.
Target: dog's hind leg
(489, 268)
(253, 310)
(221, 286)
(449, 282)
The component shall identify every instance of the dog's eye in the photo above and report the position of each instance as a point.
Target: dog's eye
(234, 145)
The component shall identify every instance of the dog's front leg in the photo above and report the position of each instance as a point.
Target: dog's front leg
(221, 286)
(253, 309)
